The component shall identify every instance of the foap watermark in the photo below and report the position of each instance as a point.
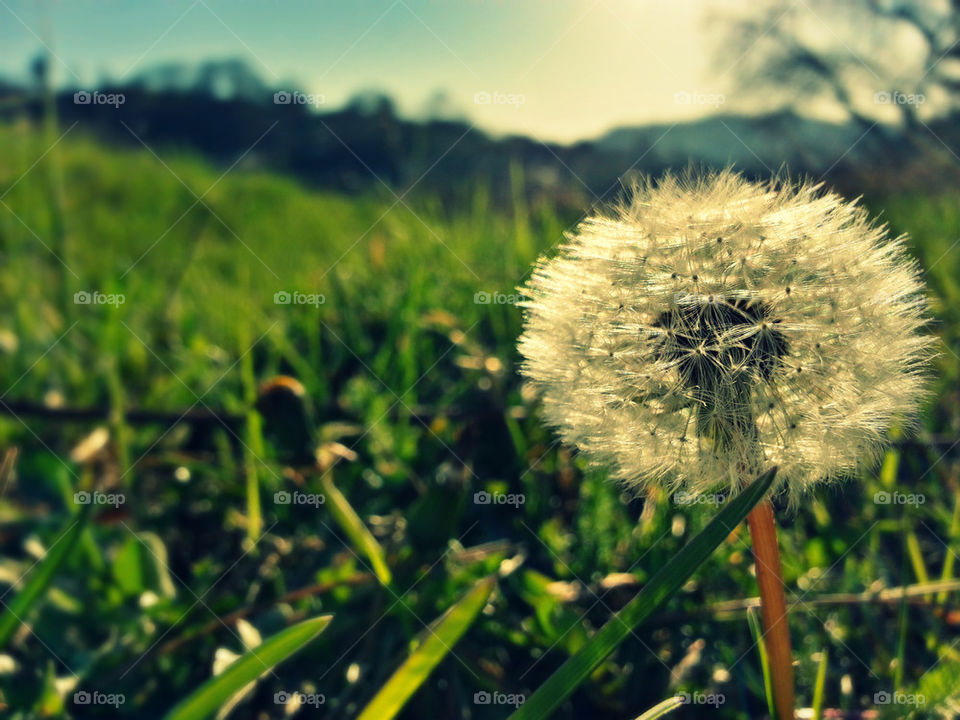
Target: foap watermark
(698, 98)
(497, 498)
(283, 497)
(702, 698)
(295, 97)
(895, 97)
(898, 498)
(496, 298)
(688, 298)
(84, 697)
(282, 697)
(99, 498)
(294, 297)
(499, 98)
(95, 297)
(882, 298)
(482, 697)
(687, 498)
(899, 698)
(85, 97)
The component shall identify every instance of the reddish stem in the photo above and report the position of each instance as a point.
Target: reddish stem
(773, 607)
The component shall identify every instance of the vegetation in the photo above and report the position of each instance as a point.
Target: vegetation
(193, 552)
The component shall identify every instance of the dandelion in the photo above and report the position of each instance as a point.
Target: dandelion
(711, 328)
(714, 326)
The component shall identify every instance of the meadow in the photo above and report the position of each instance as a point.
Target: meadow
(401, 326)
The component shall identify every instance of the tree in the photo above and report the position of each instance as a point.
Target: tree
(872, 60)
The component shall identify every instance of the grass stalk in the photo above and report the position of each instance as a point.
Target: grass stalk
(949, 556)
(253, 448)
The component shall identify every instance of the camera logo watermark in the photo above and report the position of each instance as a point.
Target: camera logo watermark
(95, 297)
(98, 498)
(696, 98)
(487, 498)
(483, 697)
(84, 97)
(284, 297)
(283, 497)
(496, 298)
(899, 698)
(282, 697)
(499, 98)
(898, 498)
(82, 697)
(295, 97)
(700, 698)
(895, 97)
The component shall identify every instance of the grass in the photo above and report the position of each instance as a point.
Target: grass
(403, 365)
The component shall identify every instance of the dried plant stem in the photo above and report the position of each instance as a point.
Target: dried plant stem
(773, 607)
(916, 594)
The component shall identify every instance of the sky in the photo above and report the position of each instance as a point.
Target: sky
(558, 70)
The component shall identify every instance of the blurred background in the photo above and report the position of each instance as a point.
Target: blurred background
(257, 361)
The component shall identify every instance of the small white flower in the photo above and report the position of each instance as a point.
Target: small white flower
(713, 327)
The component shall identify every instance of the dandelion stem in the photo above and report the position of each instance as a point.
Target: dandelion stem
(773, 607)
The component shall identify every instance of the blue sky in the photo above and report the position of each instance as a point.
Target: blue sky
(556, 69)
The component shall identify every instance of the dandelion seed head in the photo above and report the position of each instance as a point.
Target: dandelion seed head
(710, 327)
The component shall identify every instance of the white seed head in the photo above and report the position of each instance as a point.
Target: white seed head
(711, 327)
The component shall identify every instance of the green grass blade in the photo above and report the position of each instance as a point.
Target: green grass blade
(41, 576)
(664, 584)
(819, 686)
(348, 520)
(661, 709)
(253, 448)
(903, 622)
(757, 632)
(442, 636)
(949, 556)
(6, 469)
(210, 696)
(891, 463)
(916, 556)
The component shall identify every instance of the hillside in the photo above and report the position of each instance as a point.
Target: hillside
(223, 111)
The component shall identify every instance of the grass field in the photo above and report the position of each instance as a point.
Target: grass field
(409, 361)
